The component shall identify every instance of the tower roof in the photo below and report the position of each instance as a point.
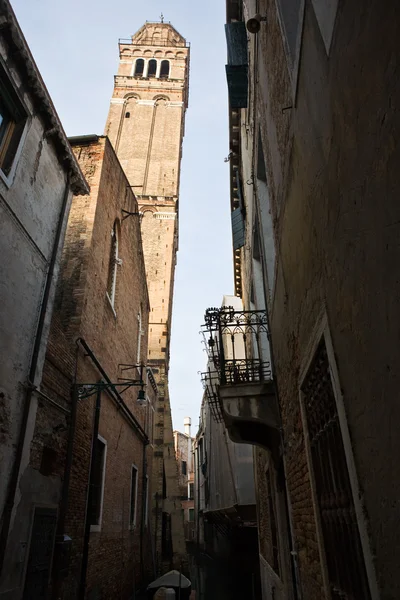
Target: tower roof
(158, 34)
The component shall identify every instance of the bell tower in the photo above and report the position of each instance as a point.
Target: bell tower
(145, 125)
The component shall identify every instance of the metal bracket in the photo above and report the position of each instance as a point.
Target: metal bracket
(130, 214)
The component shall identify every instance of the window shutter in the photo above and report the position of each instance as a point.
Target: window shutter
(236, 69)
(236, 40)
(237, 215)
(237, 228)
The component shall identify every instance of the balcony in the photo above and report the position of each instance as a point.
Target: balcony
(238, 382)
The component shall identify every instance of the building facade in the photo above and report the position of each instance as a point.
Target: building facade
(225, 563)
(314, 217)
(38, 176)
(183, 443)
(94, 438)
(145, 124)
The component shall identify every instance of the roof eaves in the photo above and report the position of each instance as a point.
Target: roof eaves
(22, 55)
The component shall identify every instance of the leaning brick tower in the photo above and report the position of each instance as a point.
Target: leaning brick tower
(146, 126)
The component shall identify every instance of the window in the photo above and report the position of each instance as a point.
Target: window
(150, 431)
(191, 491)
(265, 227)
(164, 70)
(139, 67)
(152, 68)
(191, 515)
(133, 501)
(166, 536)
(127, 115)
(184, 467)
(291, 13)
(272, 525)
(139, 337)
(332, 487)
(325, 11)
(146, 499)
(237, 67)
(13, 118)
(238, 216)
(114, 262)
(97, 483)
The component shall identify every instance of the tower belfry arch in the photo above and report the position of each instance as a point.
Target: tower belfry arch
(145, 125)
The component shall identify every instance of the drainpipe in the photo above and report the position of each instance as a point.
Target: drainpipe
(89, 498)
(64, 494)
(13, 484)
(198, 519)
(144, 501)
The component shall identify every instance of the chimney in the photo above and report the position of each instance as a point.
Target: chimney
(187, 422)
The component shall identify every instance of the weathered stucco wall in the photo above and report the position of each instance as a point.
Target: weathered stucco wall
(30, 206)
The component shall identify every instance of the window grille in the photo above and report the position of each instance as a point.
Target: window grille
(341, 537)
(112, 270)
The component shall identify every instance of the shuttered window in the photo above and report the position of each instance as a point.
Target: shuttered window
(237, 67)
(238, 218)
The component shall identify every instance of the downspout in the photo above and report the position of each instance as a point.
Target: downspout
(144, 502)
(64, 495)
(198, 520)
(13, 484)
(89, 498)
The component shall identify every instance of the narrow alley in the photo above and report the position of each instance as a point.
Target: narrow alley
(257, 460)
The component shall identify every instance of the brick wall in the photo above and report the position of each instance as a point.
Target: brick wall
(120, 557)
(146, 126)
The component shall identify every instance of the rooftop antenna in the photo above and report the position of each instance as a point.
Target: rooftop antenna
(162, 18)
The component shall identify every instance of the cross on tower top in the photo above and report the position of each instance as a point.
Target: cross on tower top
(162, 18)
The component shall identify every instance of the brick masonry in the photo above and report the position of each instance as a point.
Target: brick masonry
(120, 556)
(146, 125)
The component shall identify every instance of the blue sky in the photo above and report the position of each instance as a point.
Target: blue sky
(74, 44)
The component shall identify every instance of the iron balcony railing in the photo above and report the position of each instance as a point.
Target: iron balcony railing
(210, 381)
(237, 344)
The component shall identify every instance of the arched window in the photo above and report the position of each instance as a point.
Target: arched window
(152, 69)
(127, 115)
(164, 71)
(112, 269)
(139, 67)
